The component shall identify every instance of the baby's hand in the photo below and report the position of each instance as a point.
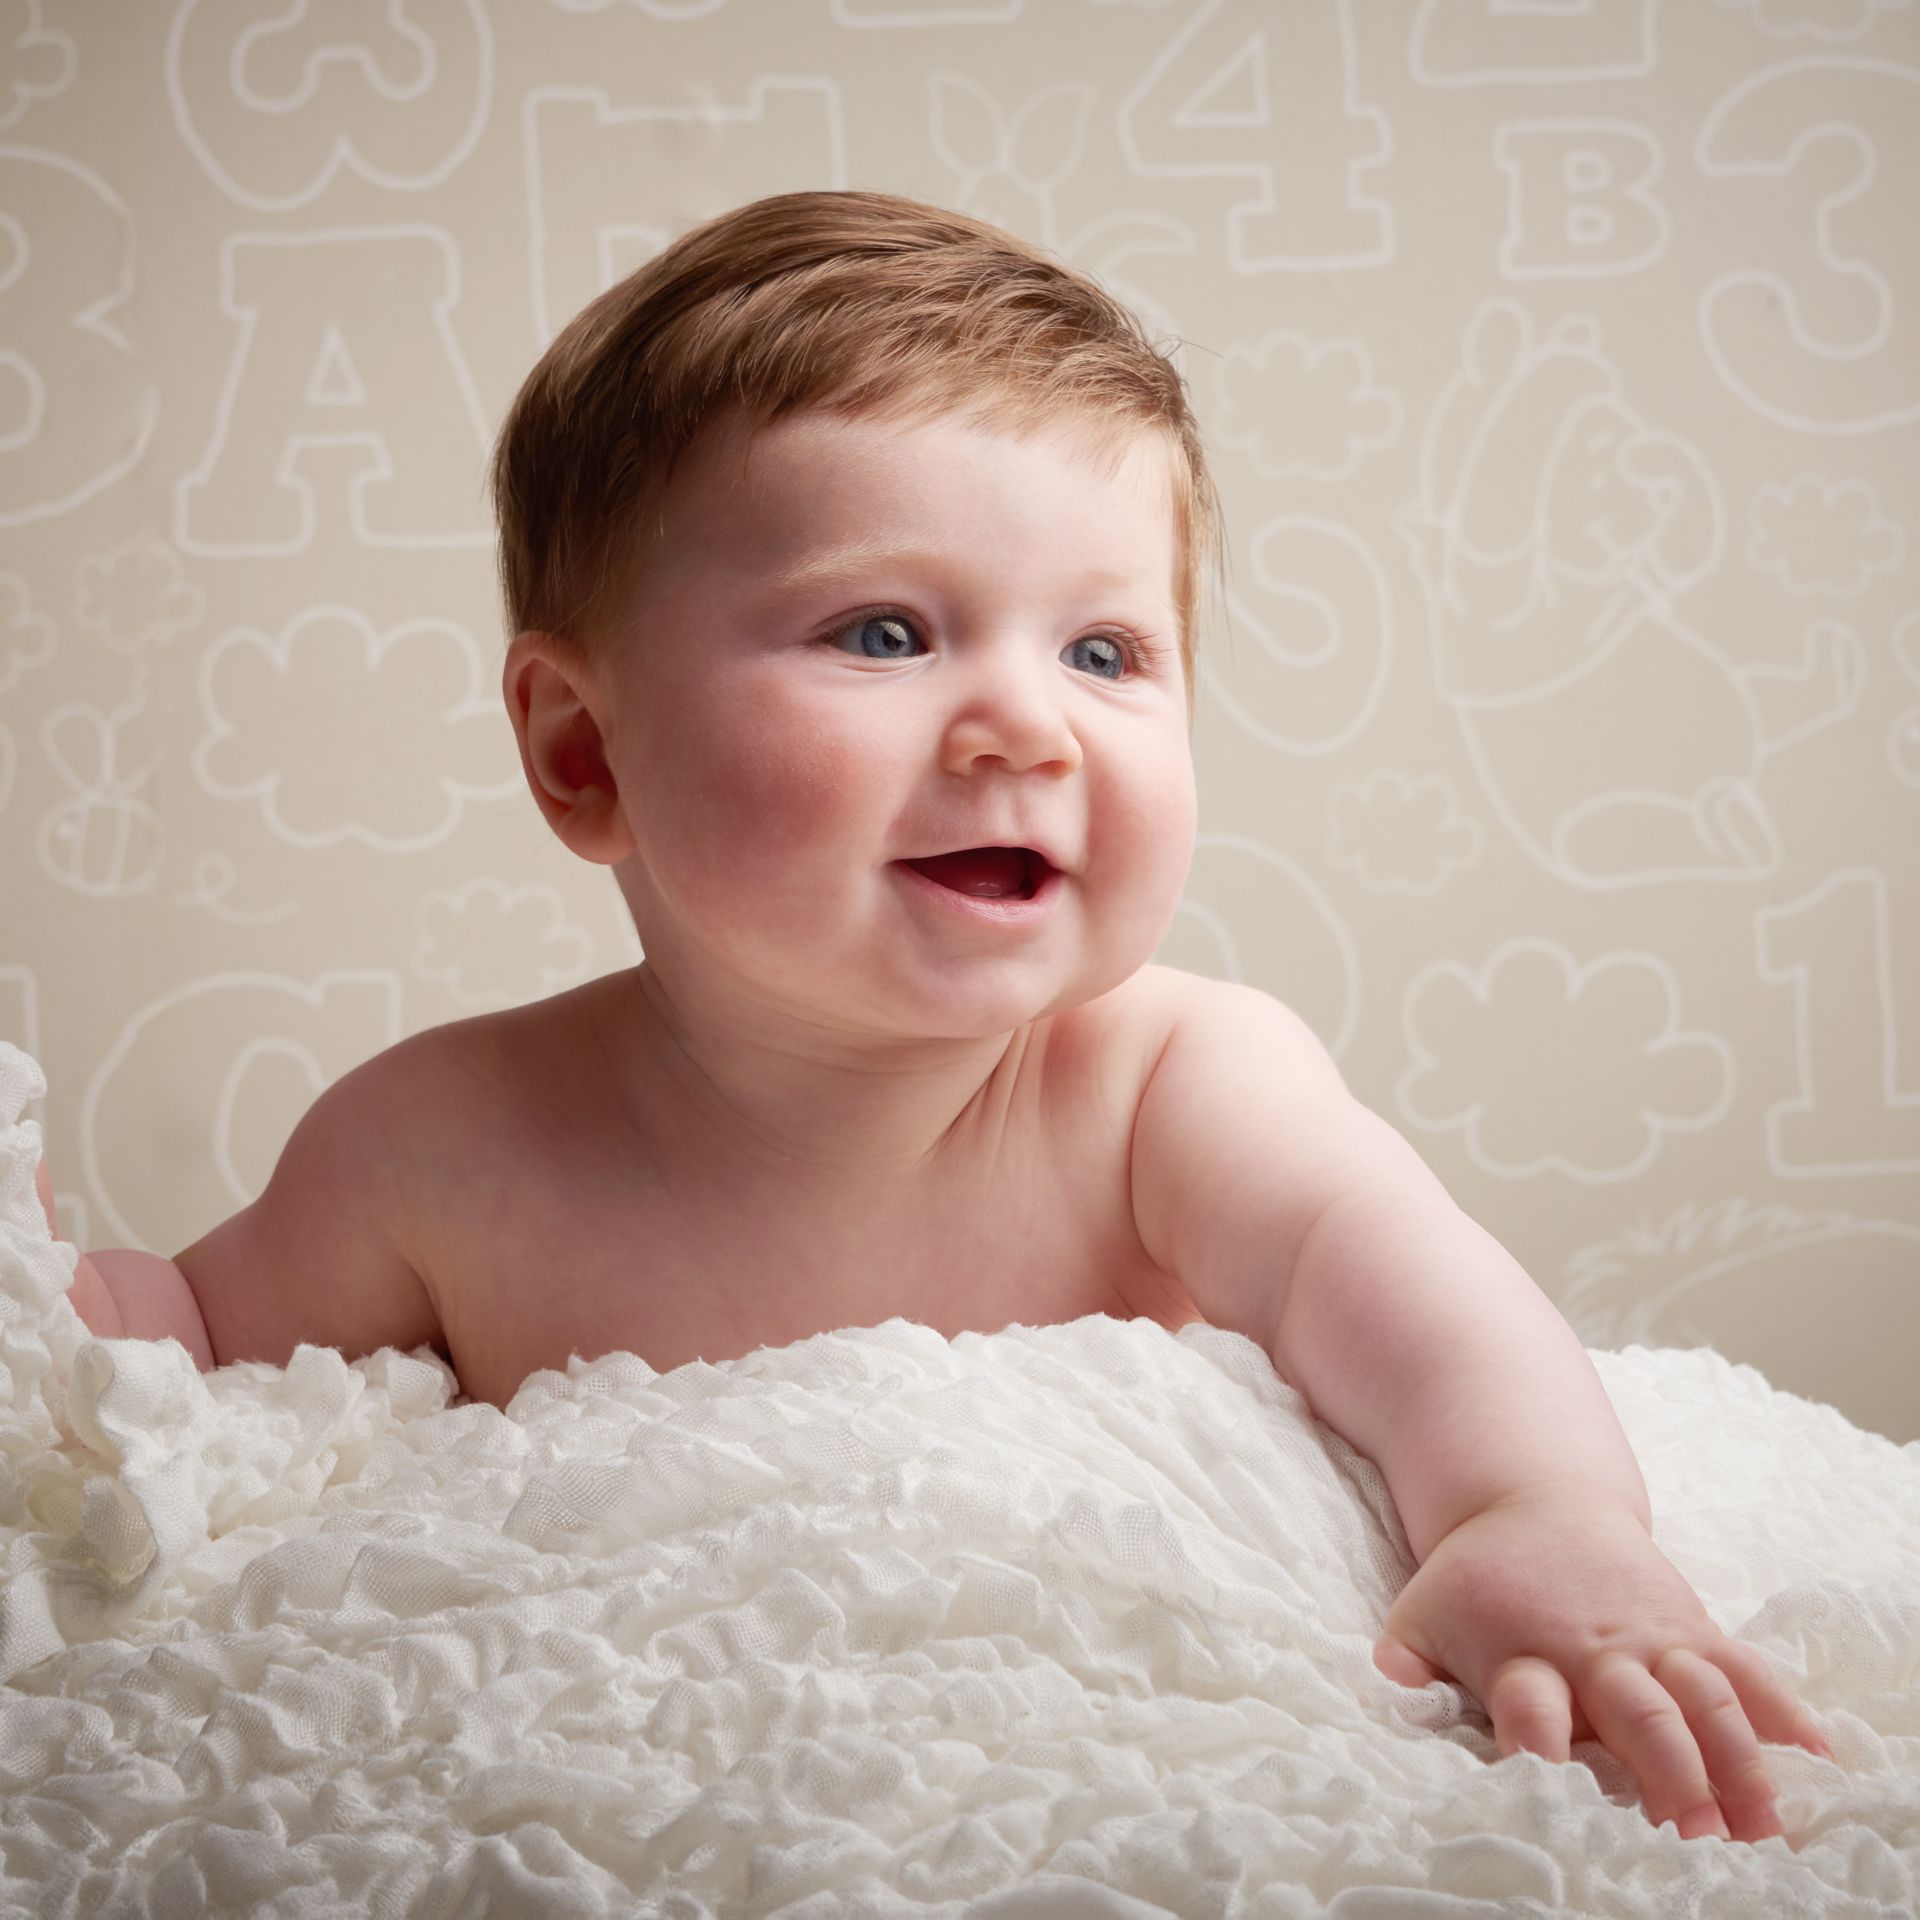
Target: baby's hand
(1567, 1623)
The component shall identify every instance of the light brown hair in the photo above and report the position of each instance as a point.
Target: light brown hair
(861, 304)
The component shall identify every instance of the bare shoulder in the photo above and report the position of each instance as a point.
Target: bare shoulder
(1232, 1057)
(1202, 1018)
(493, 1050)
(320, 1255)
(1159, 993)
(469, 1103)
(1247, 1133)
(1206, 1012)
(1145, 1007)
(1105, 1049)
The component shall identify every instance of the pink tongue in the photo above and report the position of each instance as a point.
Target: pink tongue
(990, 872)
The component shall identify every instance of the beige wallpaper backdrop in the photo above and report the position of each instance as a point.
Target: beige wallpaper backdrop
(1561, 364)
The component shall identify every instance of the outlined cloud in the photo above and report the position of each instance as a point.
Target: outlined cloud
(1812, 534)
(1545, 1065)
(494, 945)
(288, 712)
(1400, 833)
(1302, 407)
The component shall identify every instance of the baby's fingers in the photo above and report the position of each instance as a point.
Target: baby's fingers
(1640, 1721)
(1728, 1747)
(1777, 1712)
(1531, 1707)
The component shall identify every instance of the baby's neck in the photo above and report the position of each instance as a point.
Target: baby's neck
(786, 1098)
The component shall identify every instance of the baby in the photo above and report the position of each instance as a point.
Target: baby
(852, 550)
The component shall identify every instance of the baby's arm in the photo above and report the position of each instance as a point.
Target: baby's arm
(1294, 1215)
(124, 1294)
(313, 1260)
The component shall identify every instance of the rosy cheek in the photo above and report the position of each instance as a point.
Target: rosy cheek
(792, 782)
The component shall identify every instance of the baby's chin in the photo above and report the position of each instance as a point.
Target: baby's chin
(960, 1001)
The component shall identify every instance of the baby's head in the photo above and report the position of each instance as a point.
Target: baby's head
(845, 531)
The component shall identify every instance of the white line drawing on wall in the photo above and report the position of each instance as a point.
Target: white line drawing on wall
(1318, 971)
(1476, 43)
(1323, 661)
(26, 637)
(1269, 99)
(1580, 200)
(39, 64)
(1497, 1051)
(1008, 167)
(83, 411)
(377, 300)
(586, 227)
(136, 595)
(213, 877)
(413, 699)
(494, 945)
(1303, 408)
(1832, 654)
(202, 1041)
(1817, 535)
(1397, 832)
(1772, 1288)
(103, 839)
(280, 96)
(25, 642)
(1009, 163)
(1833, 20)
(1856, 1109)
(1817, 337)
(1553, 533)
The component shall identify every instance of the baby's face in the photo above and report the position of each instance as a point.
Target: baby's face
(788, 727)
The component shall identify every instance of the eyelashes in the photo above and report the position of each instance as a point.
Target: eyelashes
(1144, 655)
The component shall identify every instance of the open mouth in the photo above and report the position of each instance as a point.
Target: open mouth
(986, 873)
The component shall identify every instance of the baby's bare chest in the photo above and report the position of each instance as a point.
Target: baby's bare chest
(591, 1252)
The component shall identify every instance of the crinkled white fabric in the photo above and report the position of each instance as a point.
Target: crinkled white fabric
(1063, 1620)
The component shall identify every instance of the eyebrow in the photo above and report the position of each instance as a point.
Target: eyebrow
(837, 563)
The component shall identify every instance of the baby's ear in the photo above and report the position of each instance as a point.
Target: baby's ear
(562, 750)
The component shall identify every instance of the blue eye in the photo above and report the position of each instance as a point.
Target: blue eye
(870, 622)
(1121, 649)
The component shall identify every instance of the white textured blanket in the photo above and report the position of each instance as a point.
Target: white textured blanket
(1065, 1620)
